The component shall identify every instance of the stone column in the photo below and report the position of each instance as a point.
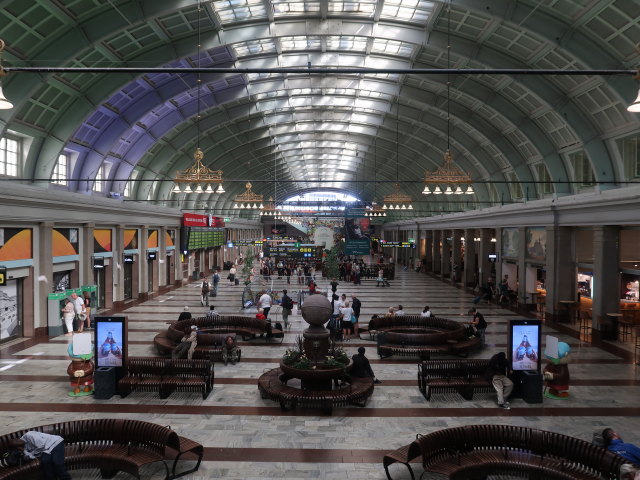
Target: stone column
(561, 270)
(484, 248)
(118, 266)
(456, 255)
(436, 252)
(498, 247)
(144, 263)
(86, 249)
(428, 250)
(44, 276)
(445, 260)
(606, 272)
(522, 265)
(177, 258)
(470, 264)
(162, 257)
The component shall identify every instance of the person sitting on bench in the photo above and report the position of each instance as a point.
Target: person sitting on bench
(187, 345)
(361, 366)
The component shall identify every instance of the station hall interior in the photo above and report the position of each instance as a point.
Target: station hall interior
(145, 145)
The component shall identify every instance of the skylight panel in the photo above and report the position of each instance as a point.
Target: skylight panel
(300, 42)
(346, 42)
(230, 11)
(392, 47)
(281, 8)
(415, 11)
(254, 47)
(365, 8)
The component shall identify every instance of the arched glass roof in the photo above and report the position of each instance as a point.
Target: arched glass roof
(354, 133)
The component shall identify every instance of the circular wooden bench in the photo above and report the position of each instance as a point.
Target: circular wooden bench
(111, 445)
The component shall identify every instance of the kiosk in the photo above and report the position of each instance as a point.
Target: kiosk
(524, 357)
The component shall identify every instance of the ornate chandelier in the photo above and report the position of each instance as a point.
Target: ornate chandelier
(448, 174)
(398, 200)
(245, 200)
(199, 174)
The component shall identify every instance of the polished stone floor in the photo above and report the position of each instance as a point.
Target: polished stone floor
(247, 437)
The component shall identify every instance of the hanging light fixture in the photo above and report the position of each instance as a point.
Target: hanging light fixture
(448, 174)
(198, 173)
(249, 197)
(398, 199)
(4, 103)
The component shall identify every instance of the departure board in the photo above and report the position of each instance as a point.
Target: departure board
(292, 251)
(205, 238)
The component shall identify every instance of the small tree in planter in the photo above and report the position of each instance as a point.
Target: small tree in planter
(333, 270)
(247, 267)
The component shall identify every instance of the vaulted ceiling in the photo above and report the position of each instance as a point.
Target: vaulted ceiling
(322, 130)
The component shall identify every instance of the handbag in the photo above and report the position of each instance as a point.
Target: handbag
(353, 318)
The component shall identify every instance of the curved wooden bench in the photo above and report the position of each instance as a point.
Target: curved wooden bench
(475, 450)
(383, 323)
(111, 445)
(356, 393)
(462, 376)
(166, 376)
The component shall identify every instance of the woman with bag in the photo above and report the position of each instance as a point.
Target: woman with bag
(68, 314)
(346, 313)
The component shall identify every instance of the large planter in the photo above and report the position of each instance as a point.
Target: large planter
(322, 373)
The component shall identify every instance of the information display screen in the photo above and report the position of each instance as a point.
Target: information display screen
(205, 238)
(398, 244)
(291, 251)
(524, 340)
(110, 341)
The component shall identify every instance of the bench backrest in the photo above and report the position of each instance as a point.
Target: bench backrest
(106, 432)
(225, 323)
(415, 321)
(196, 367)
(470, 368)
(446, 443)
(145, 366)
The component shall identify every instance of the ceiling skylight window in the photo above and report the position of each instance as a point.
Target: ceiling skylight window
(295, 8)
(300, 42)
(346, 42)
(415, 11)
(366, 8)
(231, 11)
(392, 47)
(254, 47)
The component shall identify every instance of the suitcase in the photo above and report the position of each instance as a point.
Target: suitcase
(237, 281)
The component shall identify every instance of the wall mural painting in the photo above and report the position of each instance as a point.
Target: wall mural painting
(510, 240)
(102, 240)
(131, 239)
(64, 241)
(15, 244)
(537, 243)
(152, 240)
(170, 238)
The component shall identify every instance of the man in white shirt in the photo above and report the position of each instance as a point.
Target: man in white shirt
(78, 308)
(400, 311)
(265, 303)
(48, 448)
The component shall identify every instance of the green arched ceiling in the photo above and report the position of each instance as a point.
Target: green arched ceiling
(317, 131)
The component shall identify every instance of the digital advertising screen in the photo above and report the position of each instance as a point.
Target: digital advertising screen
(110, 341)
(524, 339)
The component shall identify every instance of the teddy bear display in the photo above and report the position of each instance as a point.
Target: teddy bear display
(556, 373)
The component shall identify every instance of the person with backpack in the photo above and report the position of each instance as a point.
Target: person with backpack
(204, 291)
(216, 280)
(287, 307)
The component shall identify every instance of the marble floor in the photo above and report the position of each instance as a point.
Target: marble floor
(247, 437)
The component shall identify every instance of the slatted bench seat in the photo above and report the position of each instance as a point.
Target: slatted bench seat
(462, 376)
(473, 451)
(111, 445)
(357, 393)
(404, 455)
(166, 376)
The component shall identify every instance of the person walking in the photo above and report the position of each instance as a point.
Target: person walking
(204, 292)
(87, 308)
(497, 373)
(264, 302)
(78, 308)
(346, 324)
(356, 304)
(68, 313)
(287, 307)
(215, 280)
(48, 448)
(232, 275)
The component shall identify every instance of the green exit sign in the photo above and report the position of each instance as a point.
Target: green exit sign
(227, 219)
(297, 244)
(412, 240)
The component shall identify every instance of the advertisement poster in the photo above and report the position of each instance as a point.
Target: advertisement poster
(9, 309)
(525, 348)
(357, 236)
(510, 239)
(109, 335)
(536, 244)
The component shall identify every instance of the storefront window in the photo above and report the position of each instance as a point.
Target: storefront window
(585, 284)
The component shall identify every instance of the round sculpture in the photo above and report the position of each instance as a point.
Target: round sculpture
(316, 310)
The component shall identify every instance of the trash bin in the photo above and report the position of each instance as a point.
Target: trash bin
(104, 380)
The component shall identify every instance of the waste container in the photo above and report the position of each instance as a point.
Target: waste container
(104, 380)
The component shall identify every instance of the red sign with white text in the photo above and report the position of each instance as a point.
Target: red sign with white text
(197, 220)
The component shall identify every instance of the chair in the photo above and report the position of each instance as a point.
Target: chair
(625, 325)
(585, 323)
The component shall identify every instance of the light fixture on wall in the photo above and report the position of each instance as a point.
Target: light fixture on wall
(4, 103)
(448, 174)
(198, 173)
(248, 199)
